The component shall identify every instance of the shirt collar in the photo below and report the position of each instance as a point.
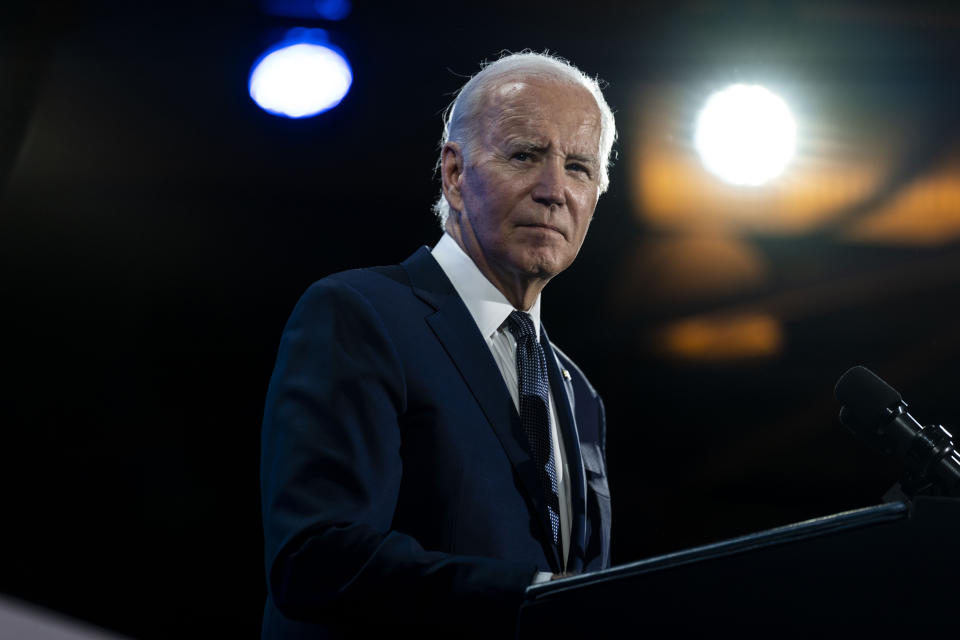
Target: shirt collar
(486, 304)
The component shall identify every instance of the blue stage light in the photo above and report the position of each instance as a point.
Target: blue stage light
(302, 76)
(332, 9)
(311, 9)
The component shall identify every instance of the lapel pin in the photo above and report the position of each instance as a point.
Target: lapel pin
(566, 374)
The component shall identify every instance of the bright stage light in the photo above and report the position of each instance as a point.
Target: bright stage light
(745, 134)
(301, 77)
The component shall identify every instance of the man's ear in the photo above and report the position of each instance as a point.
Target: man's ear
(451, 174)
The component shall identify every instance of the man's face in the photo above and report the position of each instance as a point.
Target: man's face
(530, 182)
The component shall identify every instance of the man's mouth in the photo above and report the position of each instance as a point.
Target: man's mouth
(548, 227)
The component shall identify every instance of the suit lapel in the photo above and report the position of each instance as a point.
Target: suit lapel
(456, 330)
(562, 388)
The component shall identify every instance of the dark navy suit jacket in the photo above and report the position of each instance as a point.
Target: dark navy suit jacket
(396, 483)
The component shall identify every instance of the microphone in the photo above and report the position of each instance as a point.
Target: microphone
(874, 410)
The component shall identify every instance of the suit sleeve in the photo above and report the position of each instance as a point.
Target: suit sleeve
(330, 476)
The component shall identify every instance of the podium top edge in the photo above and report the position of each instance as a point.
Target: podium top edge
(806, 529)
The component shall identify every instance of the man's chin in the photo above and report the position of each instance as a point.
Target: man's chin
(542, 264)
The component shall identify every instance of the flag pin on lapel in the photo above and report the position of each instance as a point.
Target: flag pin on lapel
(565, 373)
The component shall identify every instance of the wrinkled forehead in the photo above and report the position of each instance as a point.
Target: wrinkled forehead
(526, 101)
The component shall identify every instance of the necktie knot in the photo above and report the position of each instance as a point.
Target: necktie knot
(521, 325)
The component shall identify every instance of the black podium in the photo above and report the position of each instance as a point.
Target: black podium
(877, 572)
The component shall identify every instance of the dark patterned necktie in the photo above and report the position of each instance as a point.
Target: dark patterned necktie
(535, 410)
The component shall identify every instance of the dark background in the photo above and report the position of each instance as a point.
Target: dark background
(157, 227)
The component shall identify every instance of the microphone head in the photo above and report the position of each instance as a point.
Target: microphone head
(866, 396)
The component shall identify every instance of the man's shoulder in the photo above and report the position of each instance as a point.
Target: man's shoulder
(384, 275)
(370, 280)
(389, 291)
(370, 283)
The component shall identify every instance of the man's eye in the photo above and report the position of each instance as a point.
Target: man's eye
(576, 166)
(521, 156)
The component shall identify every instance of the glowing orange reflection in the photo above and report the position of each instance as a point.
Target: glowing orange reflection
(682, 267)
(676, 192)
(720, 338)
(926, 212)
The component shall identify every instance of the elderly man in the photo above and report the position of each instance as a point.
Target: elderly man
(427, 452)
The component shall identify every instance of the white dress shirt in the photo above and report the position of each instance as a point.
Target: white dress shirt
(490, 309)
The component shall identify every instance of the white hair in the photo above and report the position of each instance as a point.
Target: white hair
(462, 118)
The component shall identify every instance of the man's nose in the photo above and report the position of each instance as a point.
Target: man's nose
(548, 189)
